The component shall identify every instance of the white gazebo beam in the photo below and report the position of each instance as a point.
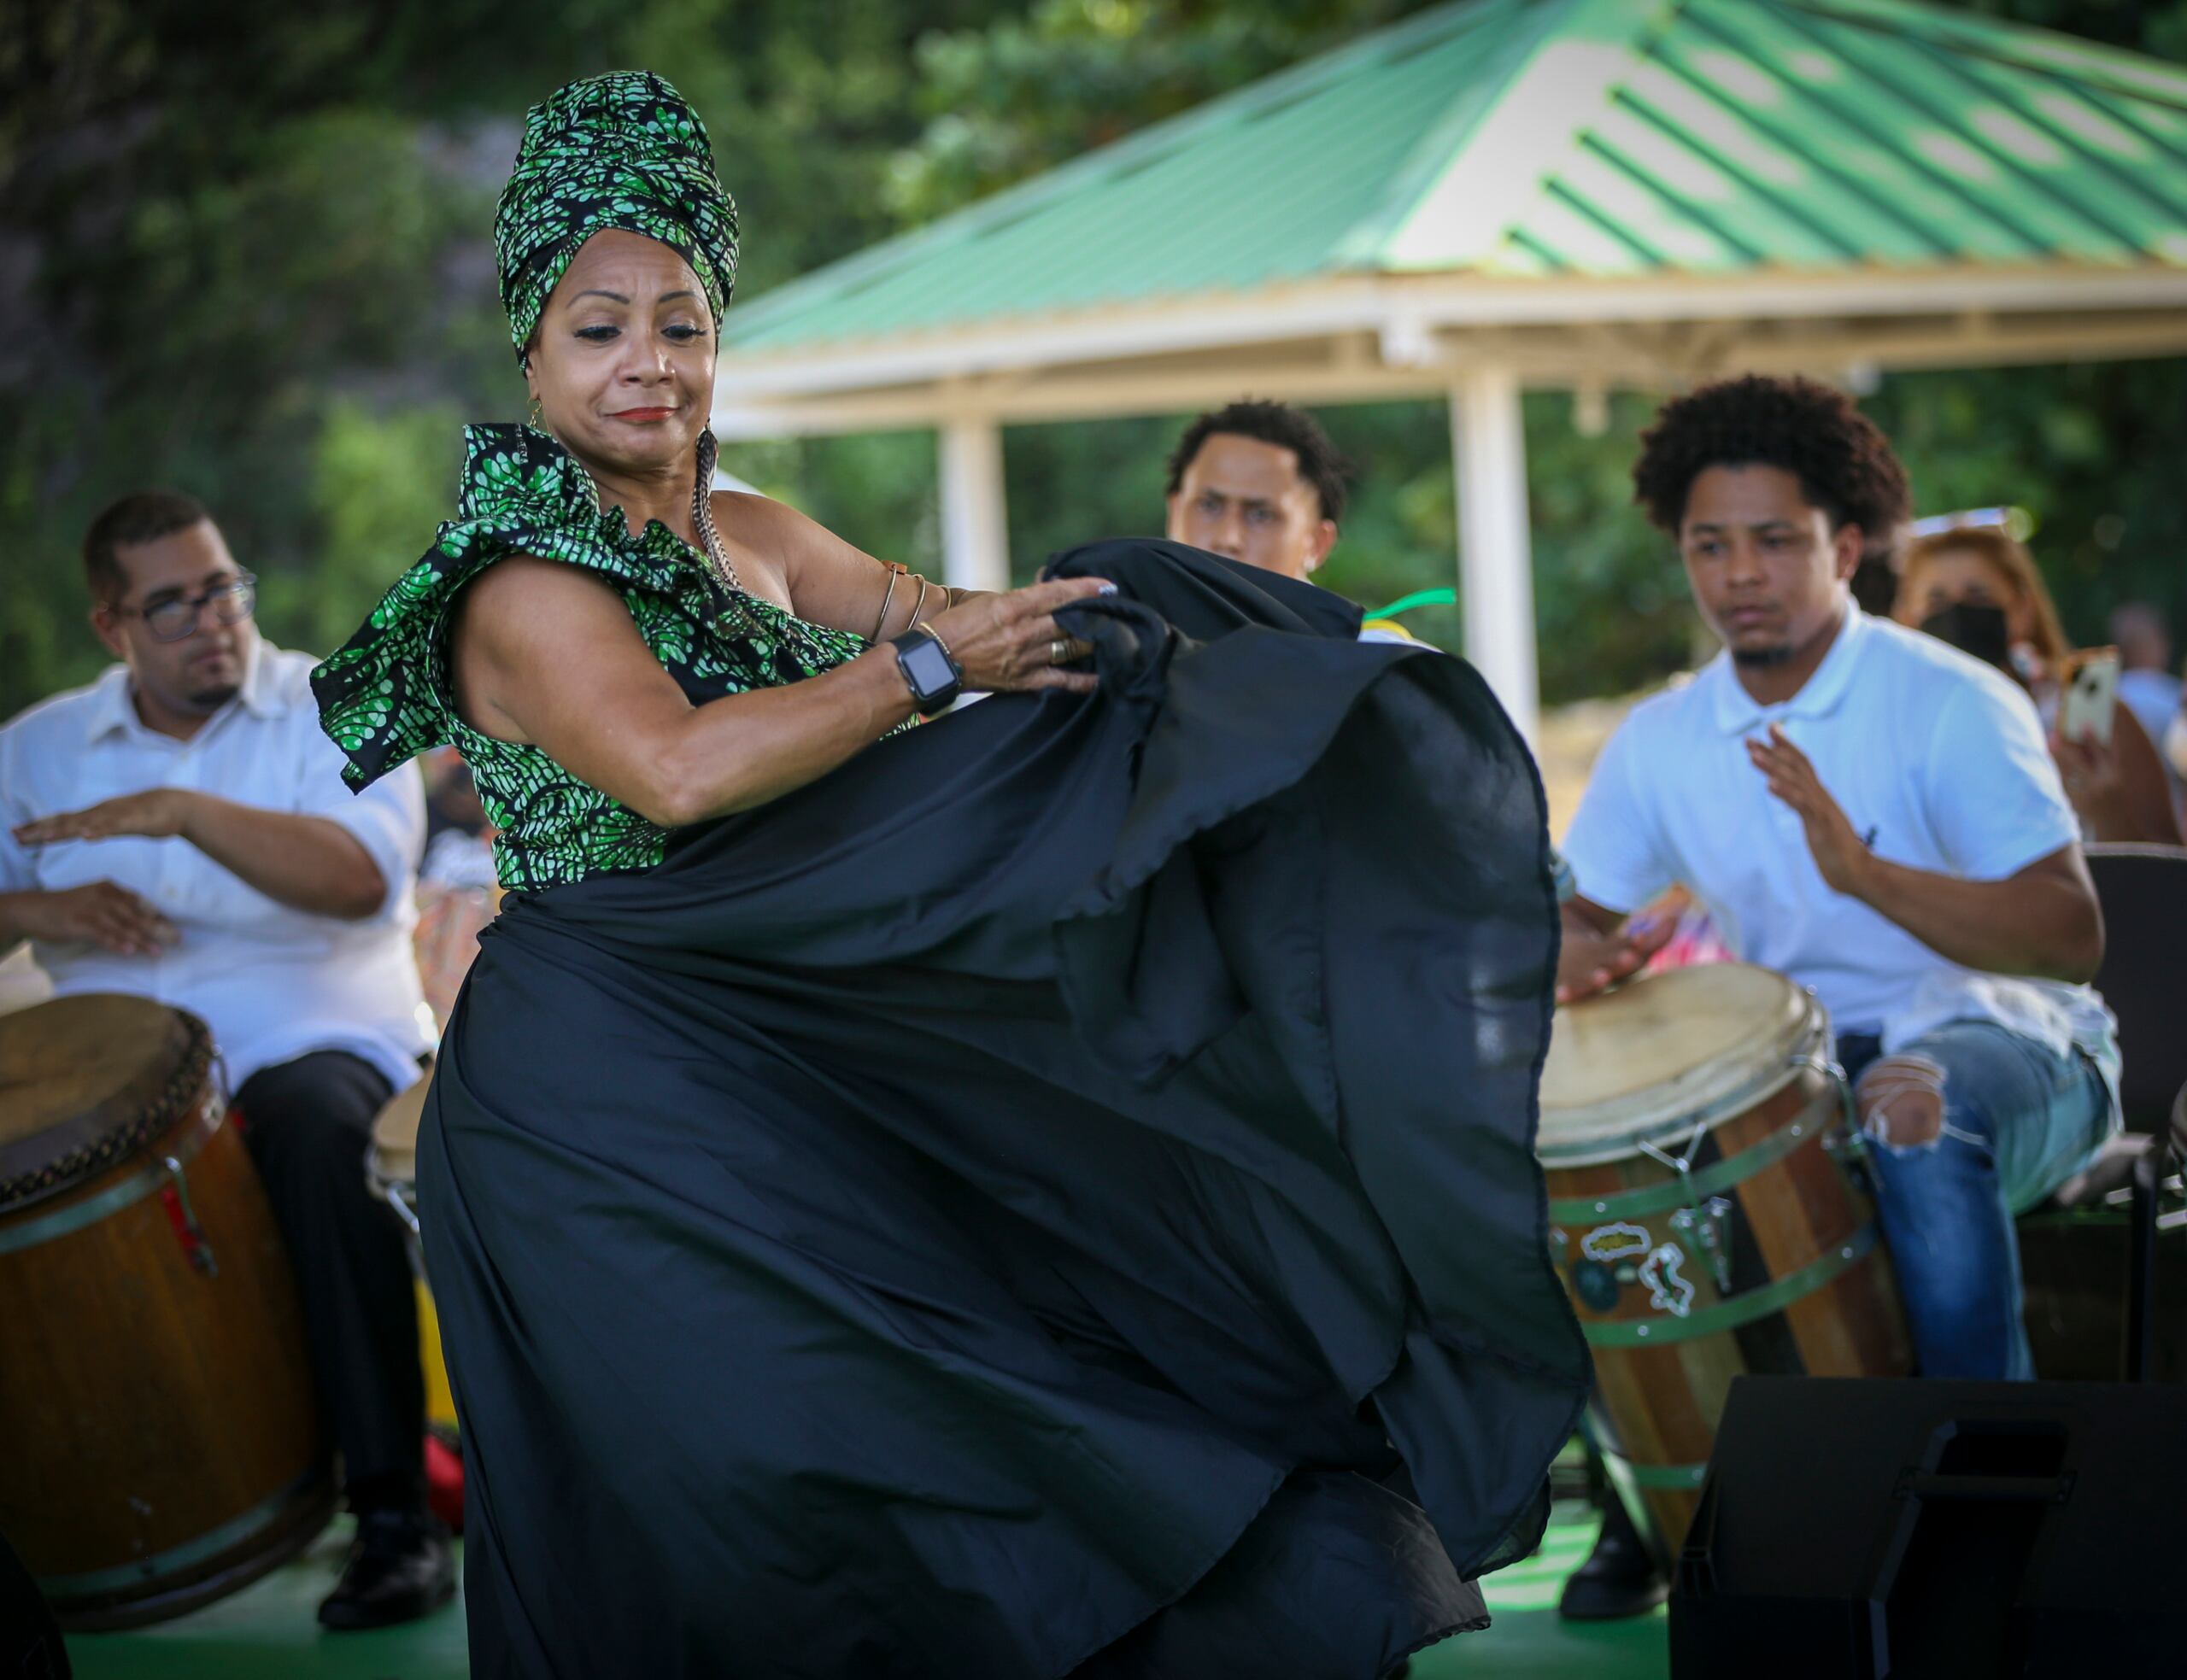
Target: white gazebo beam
(1644, 356)
(1495, 543)
(1371, 303)
(975, 531)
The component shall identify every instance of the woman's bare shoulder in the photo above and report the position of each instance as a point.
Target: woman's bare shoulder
(516, 581)
(520, 599)
(776, 528)
(527, 629)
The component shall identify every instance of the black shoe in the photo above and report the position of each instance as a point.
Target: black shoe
(1619, 1579)
(400, 1567)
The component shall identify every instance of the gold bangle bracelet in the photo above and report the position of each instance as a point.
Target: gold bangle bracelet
(919, 605)
(881, 623)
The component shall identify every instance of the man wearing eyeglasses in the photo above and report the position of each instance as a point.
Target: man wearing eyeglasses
(178, 830)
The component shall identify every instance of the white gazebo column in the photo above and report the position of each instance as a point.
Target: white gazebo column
(975, 536)
(1495, 549)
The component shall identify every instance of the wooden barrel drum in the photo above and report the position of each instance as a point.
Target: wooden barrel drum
(155, 1392)
(1705, 1215)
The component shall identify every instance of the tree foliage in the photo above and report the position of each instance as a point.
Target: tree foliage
(245, 251)
(2090, 450)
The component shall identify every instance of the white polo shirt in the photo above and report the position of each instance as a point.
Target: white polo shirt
(272, 983)
(1938, 762)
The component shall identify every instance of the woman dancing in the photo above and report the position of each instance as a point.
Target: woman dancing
(1046, 1191)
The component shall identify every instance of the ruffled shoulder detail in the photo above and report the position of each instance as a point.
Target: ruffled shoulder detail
(383, 697)
(519, 472)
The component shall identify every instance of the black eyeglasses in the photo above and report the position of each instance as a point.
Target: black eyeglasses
(174, 619)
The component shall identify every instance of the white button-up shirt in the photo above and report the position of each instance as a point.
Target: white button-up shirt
(272, 983)
(1938, 761)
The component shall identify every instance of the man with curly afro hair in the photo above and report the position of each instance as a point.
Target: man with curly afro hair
(1874, 814)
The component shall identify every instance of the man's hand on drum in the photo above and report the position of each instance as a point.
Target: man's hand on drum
(1598, 952)
(157, 813)
(101, 914)
(1840, 852)
(1012, 642)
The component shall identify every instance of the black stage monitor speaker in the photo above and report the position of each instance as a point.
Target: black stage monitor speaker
(30, 1641)
(1855, 1528)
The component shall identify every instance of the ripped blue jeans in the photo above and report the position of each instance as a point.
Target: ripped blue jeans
(2017, 1119)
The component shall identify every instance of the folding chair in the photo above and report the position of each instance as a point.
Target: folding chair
(2072, 1249)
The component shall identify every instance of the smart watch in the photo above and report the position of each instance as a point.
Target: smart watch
(930, 670)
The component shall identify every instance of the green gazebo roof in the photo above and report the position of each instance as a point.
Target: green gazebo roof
(1587, 139)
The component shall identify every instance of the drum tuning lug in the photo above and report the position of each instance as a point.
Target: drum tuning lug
(1848, 1146)
(183, 1217)
(403, 1211)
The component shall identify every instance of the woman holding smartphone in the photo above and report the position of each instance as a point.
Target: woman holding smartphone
(1979, 589)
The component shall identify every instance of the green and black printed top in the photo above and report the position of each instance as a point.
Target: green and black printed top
(385, 696)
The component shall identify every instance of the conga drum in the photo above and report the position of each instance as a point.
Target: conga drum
(1707, 1214)
(161, 1437)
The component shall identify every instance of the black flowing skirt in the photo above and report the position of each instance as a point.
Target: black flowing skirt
(1055, 1195)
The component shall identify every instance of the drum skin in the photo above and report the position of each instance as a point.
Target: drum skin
(1766, 1259)
(394, 1141)
(155, 1387)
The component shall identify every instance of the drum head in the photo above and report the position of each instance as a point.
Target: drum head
(1641, 1060)
(84, 1080)
(394, 1135)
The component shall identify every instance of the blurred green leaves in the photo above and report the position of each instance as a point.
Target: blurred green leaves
(1036, 87)
(245, 251)
(380, 484)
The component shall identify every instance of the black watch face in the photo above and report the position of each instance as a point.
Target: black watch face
(930, 669)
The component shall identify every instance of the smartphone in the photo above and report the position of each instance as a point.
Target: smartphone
(2089, 698)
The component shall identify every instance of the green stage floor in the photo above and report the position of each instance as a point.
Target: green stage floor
(267, 1632)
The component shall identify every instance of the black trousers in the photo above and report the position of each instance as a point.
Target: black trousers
(308, 1124)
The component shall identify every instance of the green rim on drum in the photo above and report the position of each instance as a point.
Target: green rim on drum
(1707, 1180)
(1672, 1478)
(1758, 1303)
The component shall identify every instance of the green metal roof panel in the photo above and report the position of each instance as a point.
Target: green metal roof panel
(1905, 97)
(1607, 137)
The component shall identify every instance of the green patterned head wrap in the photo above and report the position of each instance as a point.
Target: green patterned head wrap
(620, 151)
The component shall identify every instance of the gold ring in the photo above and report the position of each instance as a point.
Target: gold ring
(1059, 651)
